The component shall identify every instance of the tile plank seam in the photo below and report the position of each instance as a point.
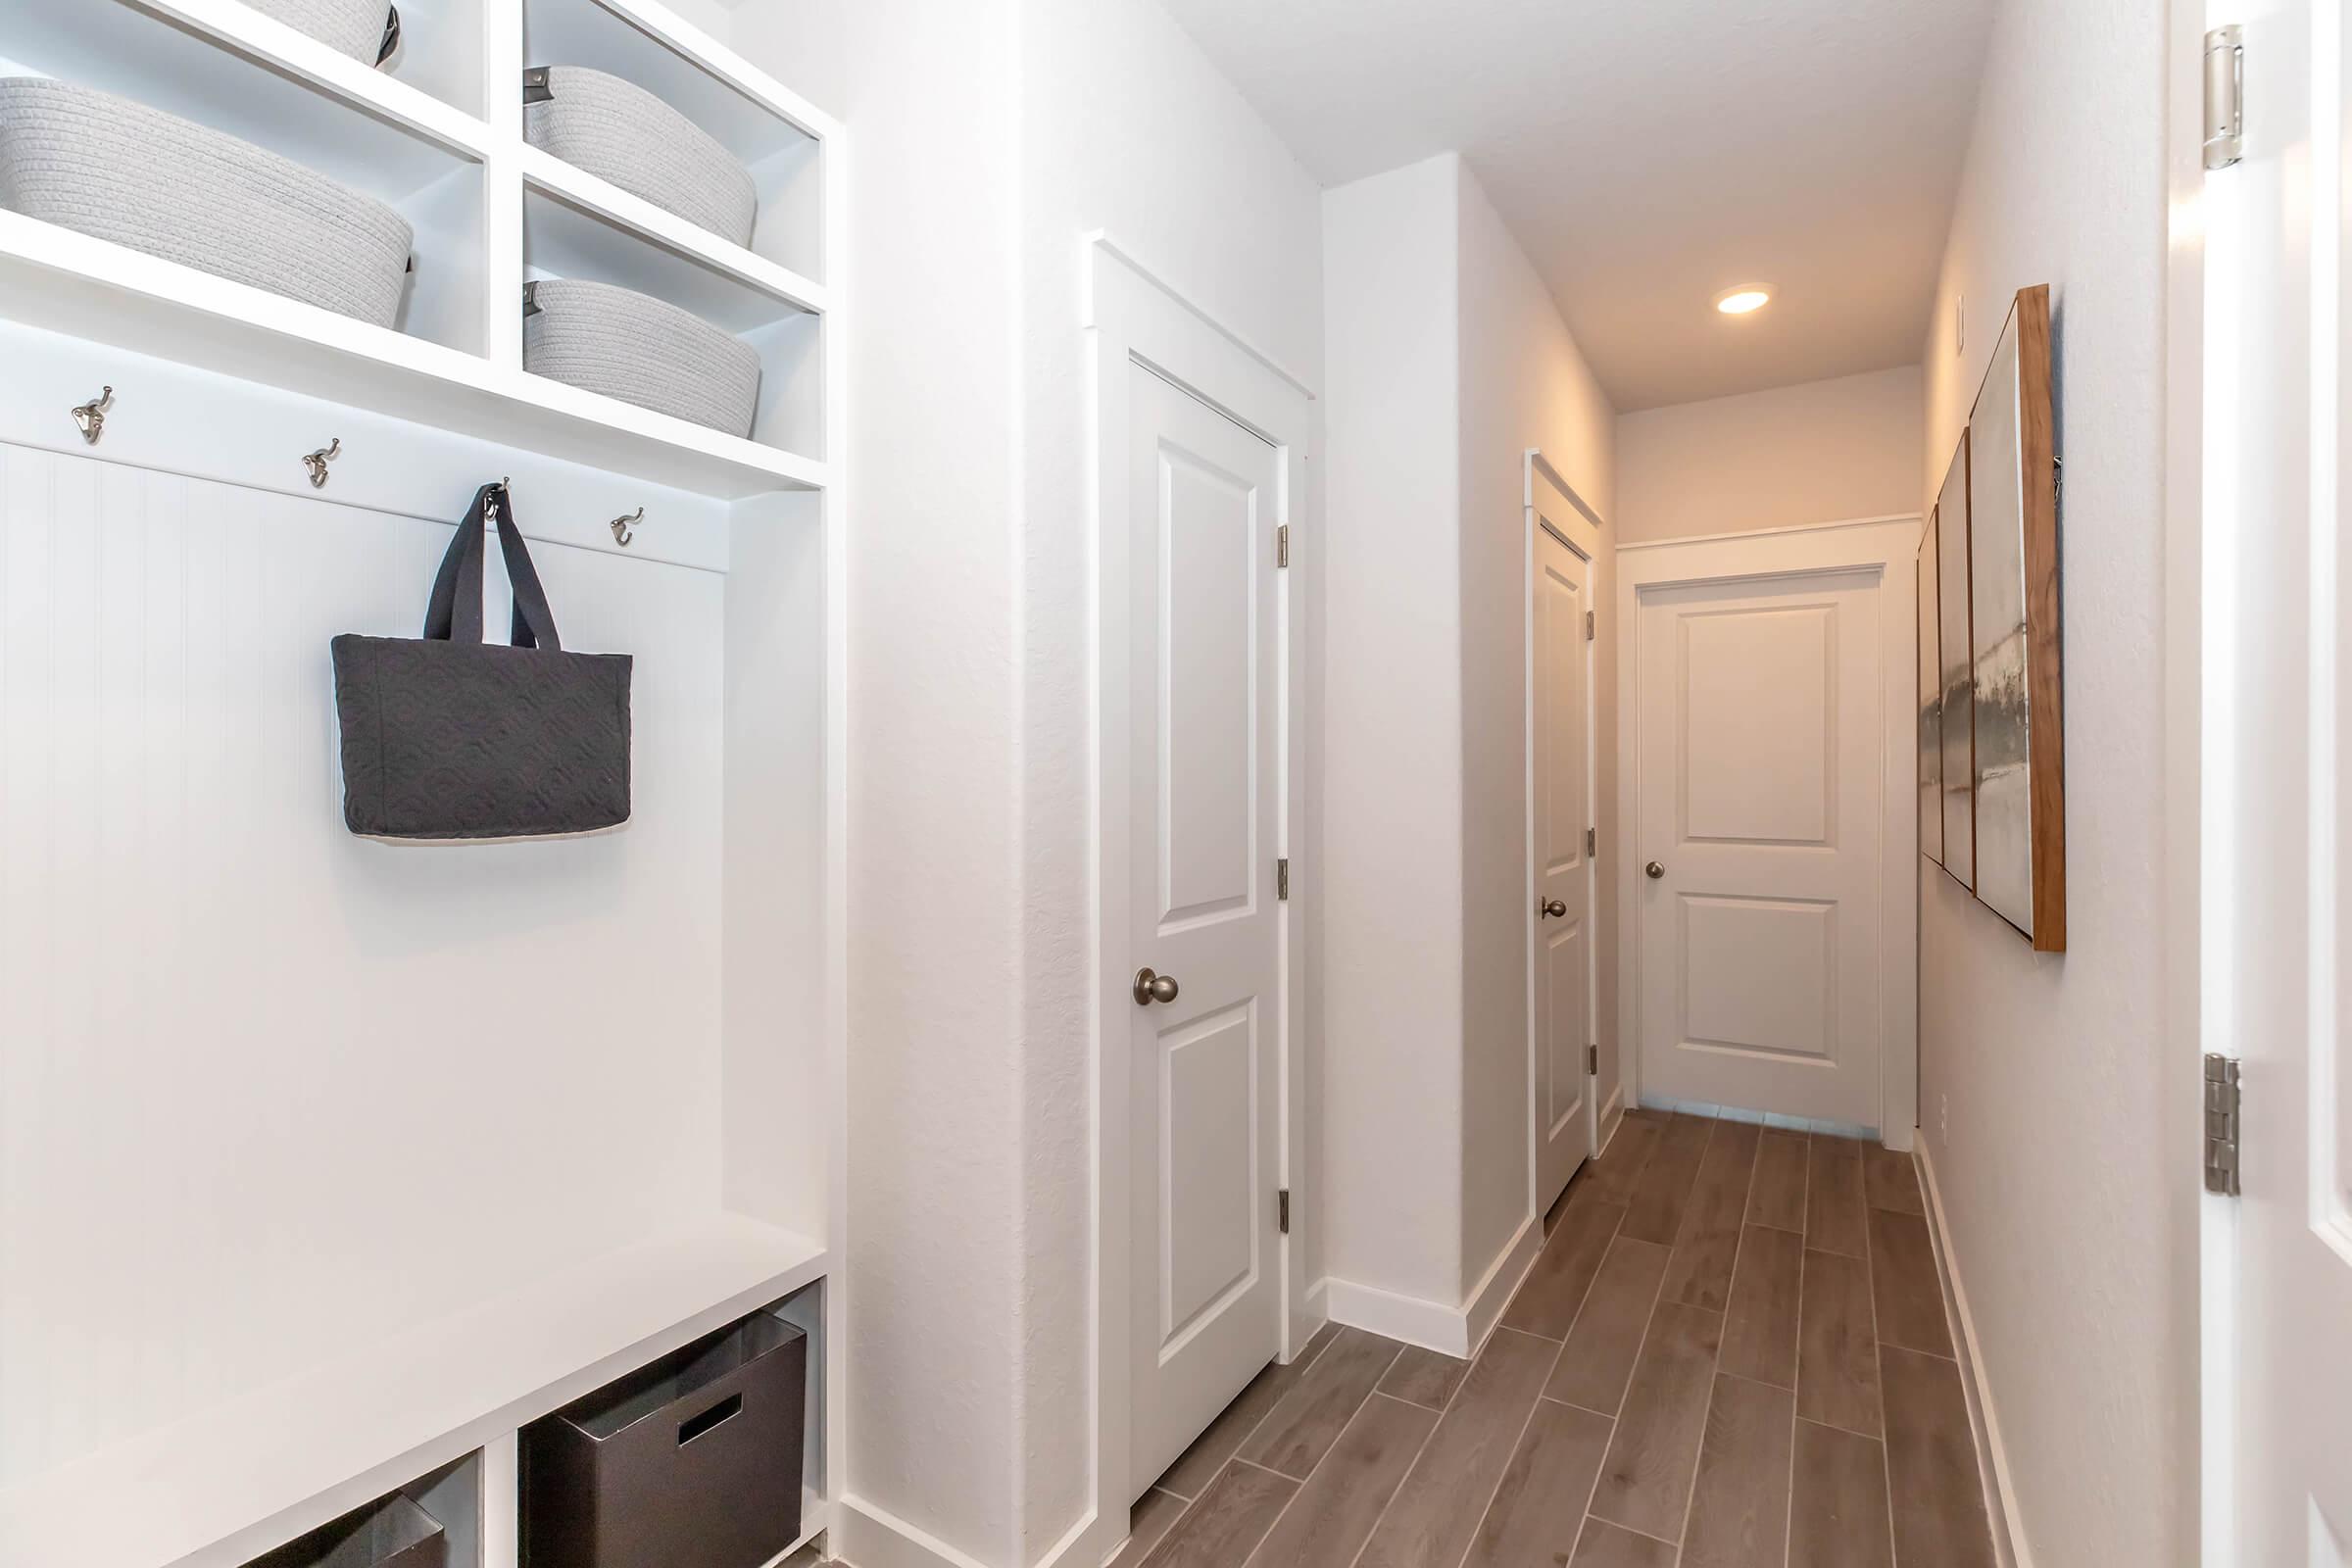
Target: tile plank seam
(1797, 1376)
(1305, 1365)
(1622, 1187)
(1878, 1358)
(1632, 1366)
(1739, 1249)
(1478, 1528)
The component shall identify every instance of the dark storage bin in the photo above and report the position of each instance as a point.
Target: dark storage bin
(393, 1533)
(691, 1462)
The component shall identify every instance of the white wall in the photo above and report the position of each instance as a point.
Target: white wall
(1125, 127)
(935, 1349)
(1391, 734)
(2062, 1190)
(1524, 383)
(1445, 360)
(986, 140)
(1817, 452)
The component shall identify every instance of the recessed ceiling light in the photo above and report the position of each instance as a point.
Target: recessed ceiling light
(1743, 298)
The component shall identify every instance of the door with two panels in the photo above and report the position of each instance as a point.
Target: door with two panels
(1206, 1024)
(1760, 820)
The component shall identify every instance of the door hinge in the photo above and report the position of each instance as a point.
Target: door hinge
(1592, 844)
(2220, 1125)
(1588, 626)
(1282, 877)
(2224, 97)
(1592, 1061)
(1282, 1211)
(1282, 545)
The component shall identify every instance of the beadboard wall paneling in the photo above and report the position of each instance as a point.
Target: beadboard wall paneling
(267, 1089)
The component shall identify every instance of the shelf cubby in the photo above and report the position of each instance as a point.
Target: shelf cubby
(441, 53)
(435, 183)
(565, 238)
(751, 115)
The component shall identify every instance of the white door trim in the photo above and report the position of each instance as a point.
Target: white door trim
(1132, 317)
(1583, 536)
(1887, 546)
(2203, 1274)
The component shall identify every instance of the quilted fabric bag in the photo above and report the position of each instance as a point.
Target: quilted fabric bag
(449, 737)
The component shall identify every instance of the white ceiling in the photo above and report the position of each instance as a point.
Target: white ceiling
(1649, 153)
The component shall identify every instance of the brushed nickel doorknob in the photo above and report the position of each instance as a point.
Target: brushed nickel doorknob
(1150, 988)
(1654, 871)
(1555, 909)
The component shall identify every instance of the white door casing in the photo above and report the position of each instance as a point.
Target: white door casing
(1136, 320)
(1767, 755)
(2276, 937)
(1204, 693)
(1562, 817)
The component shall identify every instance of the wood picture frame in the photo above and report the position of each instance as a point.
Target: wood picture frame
(2014, 644)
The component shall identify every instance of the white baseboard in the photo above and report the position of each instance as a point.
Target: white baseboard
(1313, 1314)
(1611, 1118)
(1493, 1292)
(1455, 1331)
(1409, 1318)
(1993, 1457)
(867, 1537)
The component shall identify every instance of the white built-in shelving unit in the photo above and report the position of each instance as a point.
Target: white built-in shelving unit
(438, 135)
(327, 1165)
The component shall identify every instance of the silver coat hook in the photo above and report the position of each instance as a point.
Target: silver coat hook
(90, 416)
(318, 459)
(622, 536)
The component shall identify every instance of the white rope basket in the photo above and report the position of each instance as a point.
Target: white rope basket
(118, 170)
(617, 130)
(640, 349)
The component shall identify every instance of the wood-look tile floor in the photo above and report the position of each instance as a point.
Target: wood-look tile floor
(1730, 1353)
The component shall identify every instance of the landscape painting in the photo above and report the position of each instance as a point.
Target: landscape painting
(1930, 704)
(2012, 644)
(1997, 646)
(1955, 700)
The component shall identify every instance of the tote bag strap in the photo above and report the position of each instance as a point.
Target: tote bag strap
(455, 612)
(534, 623)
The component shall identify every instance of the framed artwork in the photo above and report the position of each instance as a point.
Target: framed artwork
(1957, 774)
(1930, 704)
(2012, 640)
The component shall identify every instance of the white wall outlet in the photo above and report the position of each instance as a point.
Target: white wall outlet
(1959, 322)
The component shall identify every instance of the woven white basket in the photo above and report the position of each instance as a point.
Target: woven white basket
(120, 171)
(640, 349)
(355, 27)
(617, 129)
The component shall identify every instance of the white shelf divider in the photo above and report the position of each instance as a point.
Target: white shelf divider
(218, 1488)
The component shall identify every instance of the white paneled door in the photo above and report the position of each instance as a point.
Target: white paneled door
(1206, 1035)
(1759, 844)
(1563, 750)
(2276, 912)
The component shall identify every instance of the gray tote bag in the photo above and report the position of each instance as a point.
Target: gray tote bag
(449, 737)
